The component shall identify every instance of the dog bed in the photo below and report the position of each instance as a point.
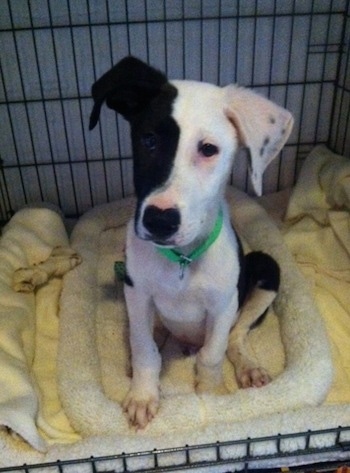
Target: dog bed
(307, 354)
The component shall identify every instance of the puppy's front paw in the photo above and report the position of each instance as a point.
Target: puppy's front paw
(253, 378)
(141, 407)
(27, 279)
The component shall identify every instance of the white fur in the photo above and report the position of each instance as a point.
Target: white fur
(201, 308)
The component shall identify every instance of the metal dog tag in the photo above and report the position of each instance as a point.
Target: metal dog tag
(184, 262)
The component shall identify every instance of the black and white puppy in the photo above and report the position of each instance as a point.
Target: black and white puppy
(184, 259)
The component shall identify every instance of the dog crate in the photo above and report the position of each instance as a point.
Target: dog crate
(188, 460)
(295, 52)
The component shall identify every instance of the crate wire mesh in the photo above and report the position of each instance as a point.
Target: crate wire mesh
(312, 449)
(295, 52)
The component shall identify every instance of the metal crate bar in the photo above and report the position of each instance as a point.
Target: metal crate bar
(295, 52)
(189, 459)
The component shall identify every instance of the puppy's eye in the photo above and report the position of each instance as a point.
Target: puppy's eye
(207, 149)
(149, 141)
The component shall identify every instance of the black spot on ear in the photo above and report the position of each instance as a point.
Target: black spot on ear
(266, 142)
(272, 120)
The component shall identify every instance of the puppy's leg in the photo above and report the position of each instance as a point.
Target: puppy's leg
(263, 274)
(239, 352)
(211, 356)
(142, 401)
(60, 261)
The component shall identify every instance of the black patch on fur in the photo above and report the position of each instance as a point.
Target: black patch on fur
(257, 269)
(127, 280)
(145, 98)
(262, 271)
(127, 88)
(153, 164)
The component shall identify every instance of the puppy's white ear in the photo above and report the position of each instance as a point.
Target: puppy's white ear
(262, 126)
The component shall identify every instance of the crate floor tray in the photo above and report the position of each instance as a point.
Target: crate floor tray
(310, 388)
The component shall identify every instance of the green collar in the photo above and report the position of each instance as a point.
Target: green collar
(185, 260)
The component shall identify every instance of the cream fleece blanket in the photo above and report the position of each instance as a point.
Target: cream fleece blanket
(28, 329)
(317, 231)
(93, 363)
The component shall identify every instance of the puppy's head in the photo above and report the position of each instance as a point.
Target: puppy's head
(185, 135)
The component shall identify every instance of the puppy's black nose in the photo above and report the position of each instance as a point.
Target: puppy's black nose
(161, 223)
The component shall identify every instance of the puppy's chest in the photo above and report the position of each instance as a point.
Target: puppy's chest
(203, 286)
(206, 284)
(183, 299)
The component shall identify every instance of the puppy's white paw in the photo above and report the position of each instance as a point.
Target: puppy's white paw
(27, 279)
(141, 408)
(253, 378)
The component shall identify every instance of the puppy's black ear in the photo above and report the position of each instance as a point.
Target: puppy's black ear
(127, 88)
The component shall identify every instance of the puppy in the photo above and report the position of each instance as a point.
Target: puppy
(184, 259)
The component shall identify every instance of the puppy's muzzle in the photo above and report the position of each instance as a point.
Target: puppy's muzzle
(161, 224)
